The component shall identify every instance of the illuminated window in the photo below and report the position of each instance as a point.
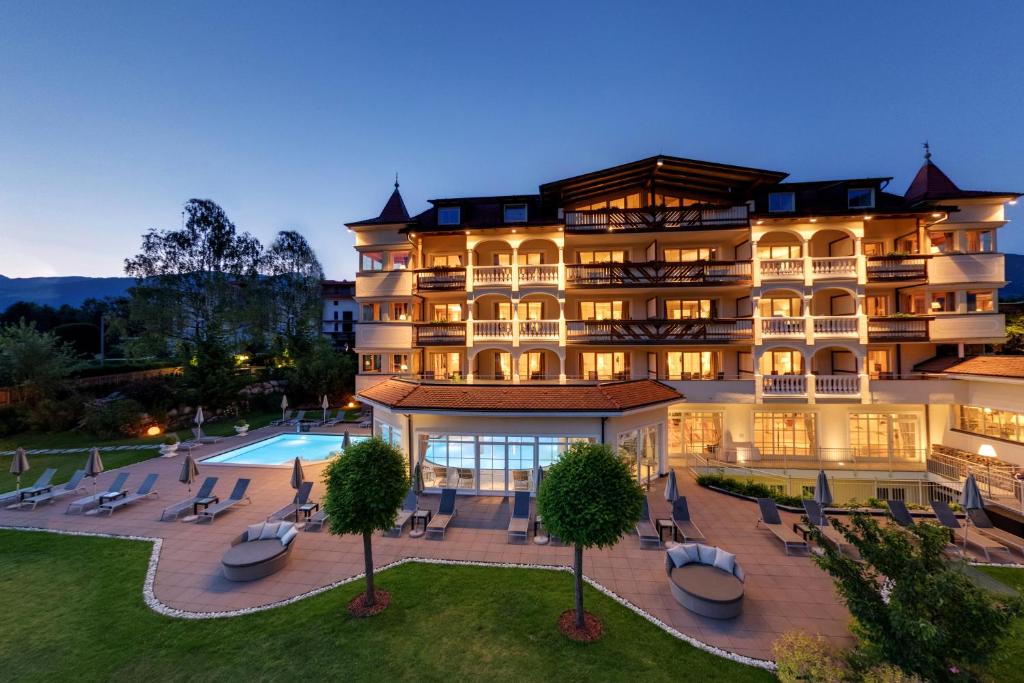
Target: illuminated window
(700, 432)
(691, 254)
(689, 309)
(878, 363)
(449, 215)
(777, 251)
(1001, 424)
(692, 364)
(371, 362)
(980, 241)
(943, 302)
(601, 310)
(447, 313)
(610, 256)
(399, 260)
(876, 305)
(400, 362)
(604, 365)
(788, 434)
(446, 365)
(400, 311)
(784, 362)
(372, 260)
(446, 261)
(780, 307)
(943, 242)
(879, 435)
(980, 302)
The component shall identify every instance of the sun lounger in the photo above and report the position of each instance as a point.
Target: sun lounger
(236, 497)
(519, 525)
(82, 504)
(445, 514)
(73, 486)
(317, 521)
(199, 437)
(980, 542)
(681, 517)
(406, 512)
(773, 522)
(144, 491)
(645, 530)
(984, 526)
(899, 513)
(300, 500)
(299, 418)
(284, 419)
(42, 484)
(816, 515)
(205, 492)
(339, 416)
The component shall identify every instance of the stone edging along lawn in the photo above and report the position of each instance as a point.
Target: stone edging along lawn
(157, 606)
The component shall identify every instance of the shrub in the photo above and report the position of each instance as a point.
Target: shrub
(12, 421)
(156, 395)
(802, 657)
(747, 488)
(112, 419)
(52, 414)
(887, 673)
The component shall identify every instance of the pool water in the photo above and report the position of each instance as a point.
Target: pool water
(283, 449)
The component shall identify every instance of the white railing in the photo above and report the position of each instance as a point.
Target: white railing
(538, 329)
(836, 326)
(782, 327)
(538, 275)
(837, 385)
(782, 268)
(492, 275)
(835, 266)
(492, 329)
(784, 385)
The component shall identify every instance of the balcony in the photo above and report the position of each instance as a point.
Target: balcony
(658, 274)
(782, 327)
(492, 330)
(825, 386)
(782, 269)
(968, 327)
(898, 329)
(440, 279)
(962, 268)
(538, 275)
(837, 385)
(784, 385)
(538, 330)
(835, 267)
(492, 276)
(441, 334)
(658, 331)
(897, 268)
(844, 326)
(656, 219)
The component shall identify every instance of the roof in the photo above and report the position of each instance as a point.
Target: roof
(607, 398)
(830, 198)
(483, 212)
(1010, 367)
(931, 184)
(394, 211)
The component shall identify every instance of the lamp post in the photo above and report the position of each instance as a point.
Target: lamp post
(987, 451)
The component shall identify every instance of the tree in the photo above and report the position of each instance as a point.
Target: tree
(1014, 334)
(36, 361)
(321, 370)
(366, 484)
(910, 604)
(208, 371)
(292, 277)
(588, 499)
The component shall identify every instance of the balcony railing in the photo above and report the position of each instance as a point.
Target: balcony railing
(837, 385)
(782, 327)
(897, 268)
(538, 275)
(492, 329)
(440, 279)
(834, 266)
(656, 219)
(782, 269)
(440, 334)
(538, 329)
(898, 329)
(836, 326)
(657, 331)
(657, 274)
(492, 276)
(784, 385)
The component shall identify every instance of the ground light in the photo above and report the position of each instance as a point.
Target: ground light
(988, 451)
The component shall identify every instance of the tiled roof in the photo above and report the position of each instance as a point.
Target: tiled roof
(393, 212)
(990, 366)
(612, 397)
(931, 184)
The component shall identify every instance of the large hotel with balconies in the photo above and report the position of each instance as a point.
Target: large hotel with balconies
(676, 309)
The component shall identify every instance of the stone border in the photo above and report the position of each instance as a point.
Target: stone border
(159, 607)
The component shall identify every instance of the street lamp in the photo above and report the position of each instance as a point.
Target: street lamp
(988, 451)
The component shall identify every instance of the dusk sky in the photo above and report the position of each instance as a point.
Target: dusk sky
(112, 115)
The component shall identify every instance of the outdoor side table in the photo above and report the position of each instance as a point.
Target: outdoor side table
(308, 509)
(801, 528)
(205, 502)
(665, 523)
(424, 515)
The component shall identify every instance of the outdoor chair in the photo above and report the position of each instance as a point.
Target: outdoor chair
(299, 418)
(816, 515)
(445, 513)
(259, 551)
(983, 544)
(236, 497)
(339, 416)
(405, 513)
(681, 518)
(645, 529)
(316, 522)
(284, 418)
(200, 438)
(904, 520)
(465, 477)
(706, 580)
(440, 478)
(299, 502)
(42, 484)
(984, 526)
(204, 494)
(82, 504)
(521, 480)
(144, 491)
(519, 525)
(773, 522)
(51, 496)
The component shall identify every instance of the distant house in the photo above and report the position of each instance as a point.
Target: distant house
(339, 307)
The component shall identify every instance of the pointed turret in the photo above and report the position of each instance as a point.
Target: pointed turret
(393, 212)
(931, 184)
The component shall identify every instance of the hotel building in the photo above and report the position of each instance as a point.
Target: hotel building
(684, 311)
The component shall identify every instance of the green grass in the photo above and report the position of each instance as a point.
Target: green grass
(1005, 664)
(80, 616)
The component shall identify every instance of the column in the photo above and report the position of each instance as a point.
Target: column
(808, 262)
(515, 269)
(862, 319)
(862, 264)
(561, 268)
(755, 265)
(469, 269)
(808, 318)
(561, 365)
(755, 312)
(865, 383)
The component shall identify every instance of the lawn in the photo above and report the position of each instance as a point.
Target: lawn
(81, 617)
(1005, 665)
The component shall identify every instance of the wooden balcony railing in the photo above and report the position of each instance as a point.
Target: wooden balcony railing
(440, 279)
(440, 334)
(656, 219)
(658, 331)
(898, 329)
(897, 268)
(657, 274)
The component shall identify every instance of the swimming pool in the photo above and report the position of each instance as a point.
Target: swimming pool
(283, 449)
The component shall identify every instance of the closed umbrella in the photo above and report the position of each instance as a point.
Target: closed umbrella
(189, 472)
(284, 407)
(325, 405)
(94, 467)
(199, 420)
(417, 479)
(297, 478)
(346, 441)
(542, 537)
(970, 499)
(19, 465)
(671, 488)
(822, 492)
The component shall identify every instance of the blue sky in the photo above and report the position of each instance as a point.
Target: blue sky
(113, 114)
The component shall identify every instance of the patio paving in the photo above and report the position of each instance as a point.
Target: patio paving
(782, 592)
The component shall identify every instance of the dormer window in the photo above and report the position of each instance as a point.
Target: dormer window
(449, 215)
(860, 198)
(781, 202)
(515, 213)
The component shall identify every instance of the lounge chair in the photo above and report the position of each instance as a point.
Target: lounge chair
(144, 491)
(51, 496)
(645, 530)
(284, 418)
(299, 418)
(317, 521)
(445, 514)
(519, 525)
(200, 438)
(521, 480)
(82, 504)
(42, 484)
(681, 517)
(204, 494)
(259, 551)
(339, 416)
(236, 497)
(980, 542)
(405, 513)
(904, 520)
(773, 522)
(299, 502)
(984, 526)
(465, 476)
(816, 515)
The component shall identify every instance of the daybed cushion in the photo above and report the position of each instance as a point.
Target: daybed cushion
(708, 583)
(283, 528)
(291, 533)
(269, 531)
(252, 552)
(680, 556)
(254, 531)
(725, 561)
(707, 553)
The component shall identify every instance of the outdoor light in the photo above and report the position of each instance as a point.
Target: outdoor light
(351, 404)
(936, 305)
(867, 218)
(814, 220)
(987, 450)
(660, 162)
(1012, 202)
(936, 215)
(760, 222)
(153, 431)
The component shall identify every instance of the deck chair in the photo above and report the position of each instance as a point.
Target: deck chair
(405, 513)
(984, 526)
(284, 418)
(339, 416)
(445, 514)
(465, 476)
(317, 521)
(816, 515)
(681, 518)
(89, 502)
(645, 530)
(299, 502)
(53, 495)
(200, 438)
(980, 542)
(903, 519)
(519, 525)
(42, 484)
(144, 491)
(205, 492)
(236, 497)
(299, 418)
(773, 522)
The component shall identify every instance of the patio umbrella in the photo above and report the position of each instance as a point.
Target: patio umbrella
(822, 492)
(284, 407)
(417, 479)
(671, 488)
(540, 477)
(325, 405)
(970, 499)
(346, 441)
(19, 465)
(189, 472)
(297, 478)
(199, 420)
(94, 467)
(541, 537)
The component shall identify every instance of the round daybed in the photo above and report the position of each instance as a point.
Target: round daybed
(249, 560)
(705, 580)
